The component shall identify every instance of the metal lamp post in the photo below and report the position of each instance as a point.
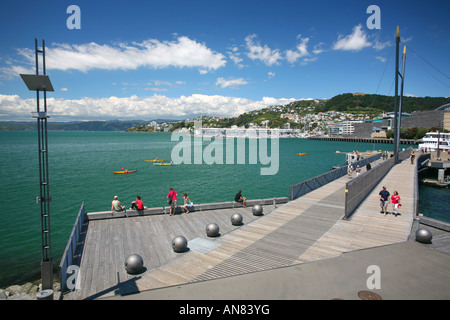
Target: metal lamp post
(397, 108)
(42, 83)
(396, 129)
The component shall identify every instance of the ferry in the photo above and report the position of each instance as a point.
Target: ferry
(430, 141)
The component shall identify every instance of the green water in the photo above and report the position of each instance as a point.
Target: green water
(81, 166)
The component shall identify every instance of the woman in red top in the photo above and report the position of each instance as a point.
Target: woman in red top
(395, 199)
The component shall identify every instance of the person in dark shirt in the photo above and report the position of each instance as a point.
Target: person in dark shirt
(384, 200)
(368, 166)
(239, 198)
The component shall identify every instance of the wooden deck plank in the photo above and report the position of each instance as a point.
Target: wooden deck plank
(151, 236)
(306, 229)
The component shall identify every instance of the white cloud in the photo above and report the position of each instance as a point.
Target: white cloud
(318, 48)
(181, 53)
(156, 89)
(305, 61)
(301, 51)
(263, 53)
(162, 83)
(406, 40)
(381, 45)
(236, 59)
(12, 107)
(382, 59)
(223, 83)
(353, 42)
(234, 56)
(12, 71)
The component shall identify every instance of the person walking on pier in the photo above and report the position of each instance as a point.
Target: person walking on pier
(395, 199)
(349, 170)
(384, 199)
(412, 156)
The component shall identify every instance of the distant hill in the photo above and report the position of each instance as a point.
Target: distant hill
(349, 102)
(114, 125)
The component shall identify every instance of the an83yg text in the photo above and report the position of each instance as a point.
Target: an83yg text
(233, 309)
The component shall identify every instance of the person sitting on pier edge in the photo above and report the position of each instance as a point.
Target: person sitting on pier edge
(368, 166)
(187, 202)
(240, 198)
(137, 204)
(116, 205)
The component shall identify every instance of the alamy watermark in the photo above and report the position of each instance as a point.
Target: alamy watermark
(228, 146)
(73, 272)
(74, 21)
(374, 280)
(374, 21)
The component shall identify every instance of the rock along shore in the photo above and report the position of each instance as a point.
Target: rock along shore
(27, 291)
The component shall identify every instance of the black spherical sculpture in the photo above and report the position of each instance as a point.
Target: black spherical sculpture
(212, 230)
(236, 219)
(134, 263)
(424, 235)
(257, 210)
(179, 244)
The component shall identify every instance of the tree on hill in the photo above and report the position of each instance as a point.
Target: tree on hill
(347, 101)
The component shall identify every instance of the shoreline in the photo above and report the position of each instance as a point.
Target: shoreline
(366, 140)
(28, 291)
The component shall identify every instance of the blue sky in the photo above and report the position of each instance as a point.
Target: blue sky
(179, 59)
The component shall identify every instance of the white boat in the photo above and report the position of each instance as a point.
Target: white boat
(430, 141)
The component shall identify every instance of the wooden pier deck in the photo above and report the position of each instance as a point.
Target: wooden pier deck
(307, 229)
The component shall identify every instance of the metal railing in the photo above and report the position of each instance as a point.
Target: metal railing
(357, 189)
(302, 188)
(421, 162)
(71, 247)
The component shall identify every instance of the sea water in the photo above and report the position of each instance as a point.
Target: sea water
(81, 166)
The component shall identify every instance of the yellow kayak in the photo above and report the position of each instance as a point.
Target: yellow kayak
(123, 172)
(163, 164)
(154, 160)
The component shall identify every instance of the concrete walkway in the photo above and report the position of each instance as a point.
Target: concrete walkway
(407, 270)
